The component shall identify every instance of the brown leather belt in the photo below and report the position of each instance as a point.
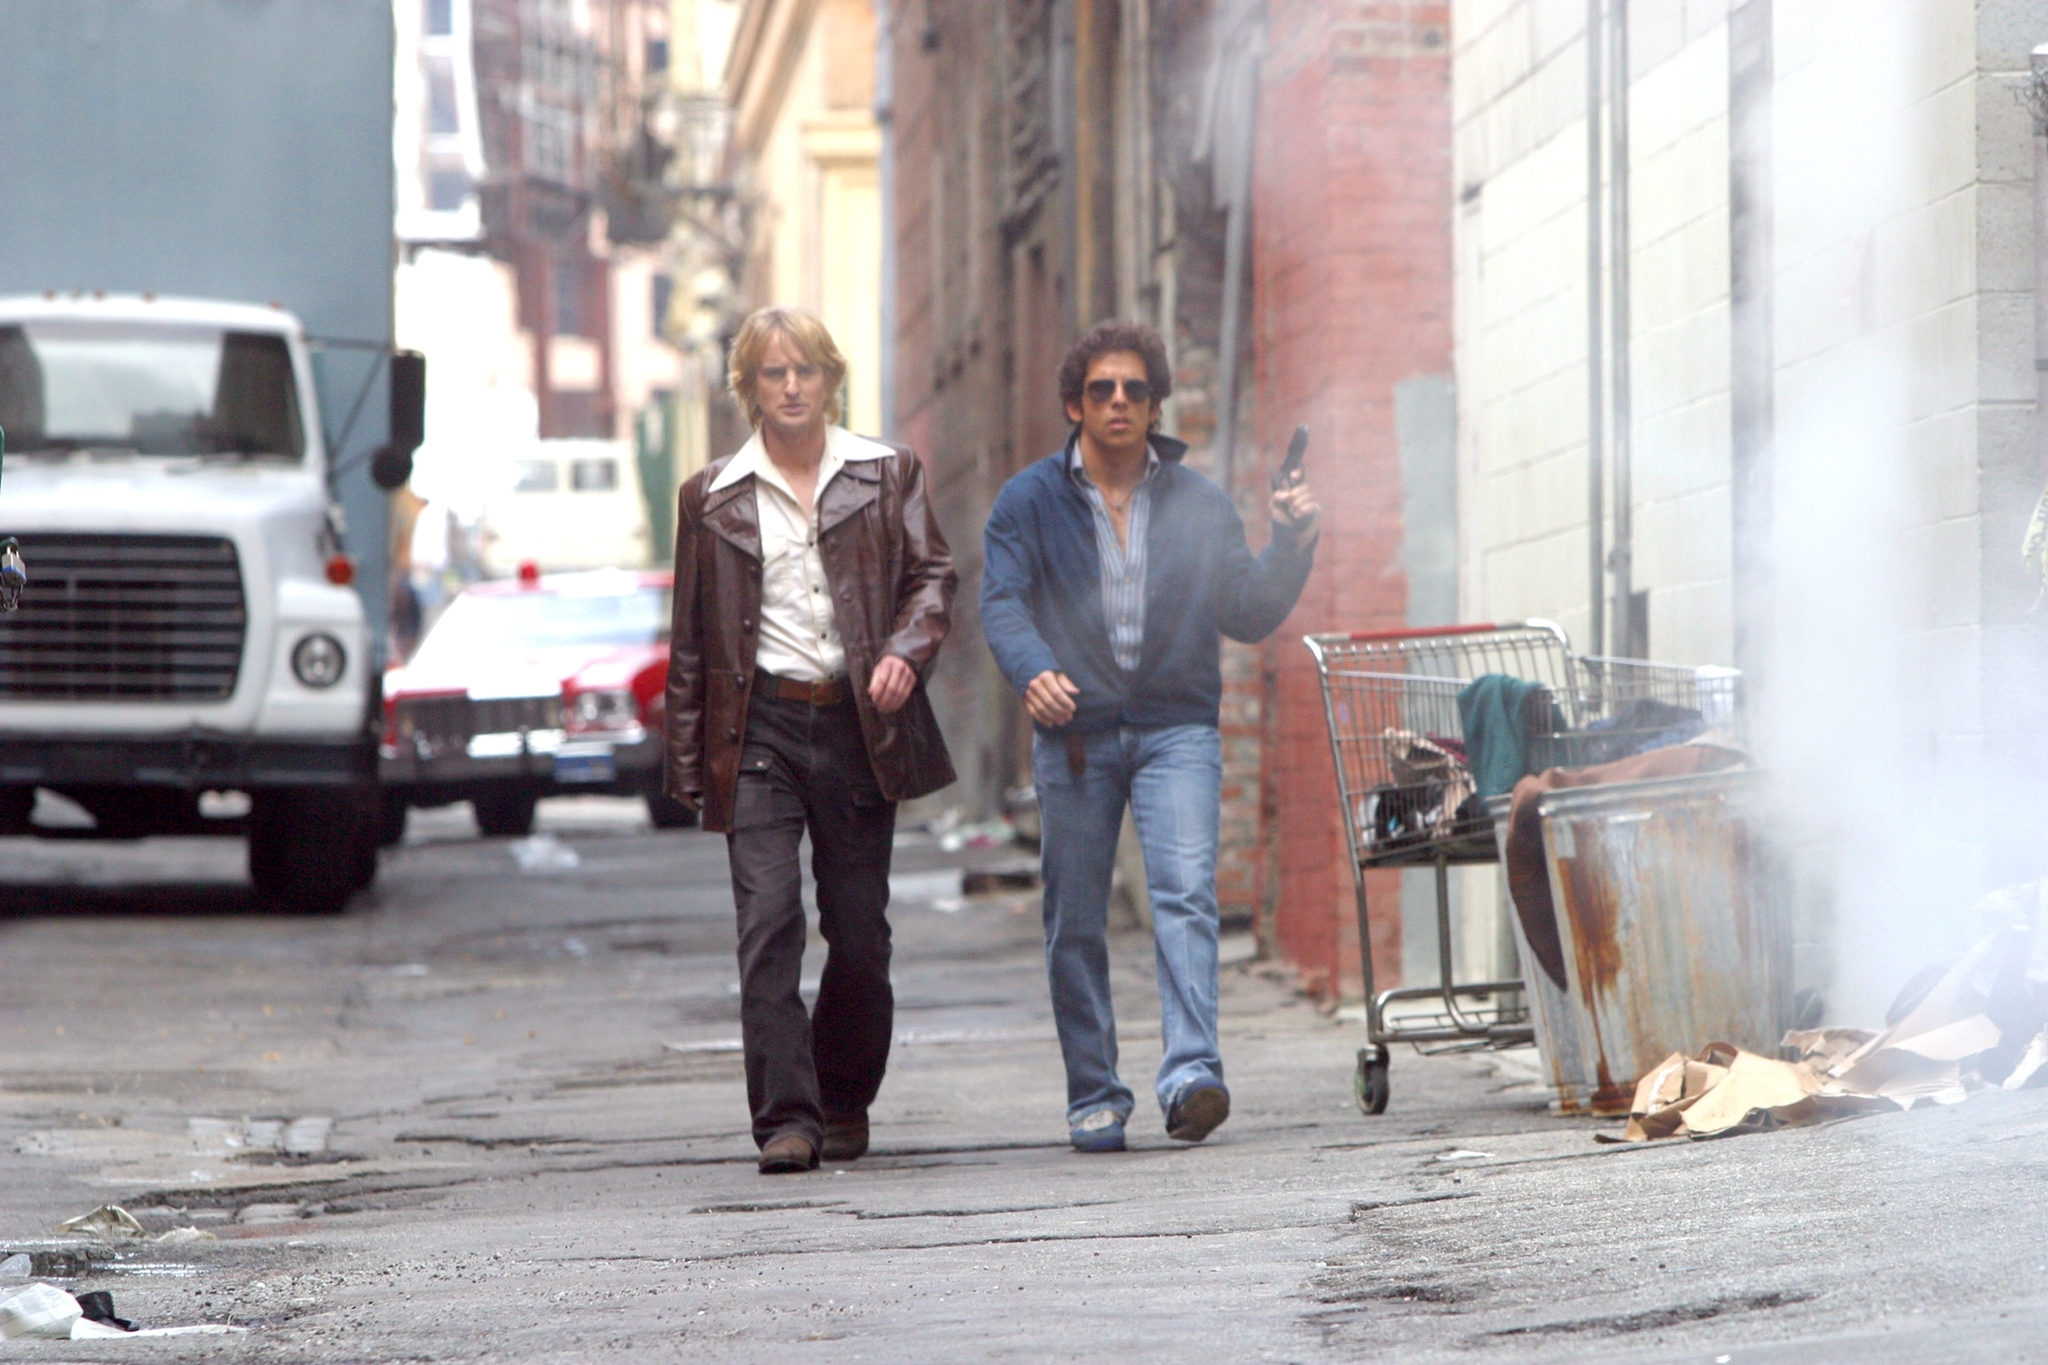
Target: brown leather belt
(831, 692)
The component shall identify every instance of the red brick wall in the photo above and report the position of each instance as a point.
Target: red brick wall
(1352, 294)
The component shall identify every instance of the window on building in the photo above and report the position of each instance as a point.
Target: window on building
(664, 287)
(440, 17)
(657, 56)
(535, 476)
(447, 189)
(568, 274)
(594, 476)
(548, 143)
(441, 116)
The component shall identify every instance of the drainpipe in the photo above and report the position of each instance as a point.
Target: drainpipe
(885, 120)
(1231, 111)
(2040, 111)
(1596, 398)
(1751, 363)
(1622, 559)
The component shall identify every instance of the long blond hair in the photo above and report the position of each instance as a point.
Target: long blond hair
(799, 330)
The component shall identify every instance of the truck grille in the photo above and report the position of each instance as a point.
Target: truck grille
(125, 618)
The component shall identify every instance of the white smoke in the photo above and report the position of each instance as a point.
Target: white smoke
(1868, 719)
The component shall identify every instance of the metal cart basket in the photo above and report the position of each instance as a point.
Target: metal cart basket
(1391, 699)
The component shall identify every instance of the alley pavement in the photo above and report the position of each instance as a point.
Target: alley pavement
(495, 1112)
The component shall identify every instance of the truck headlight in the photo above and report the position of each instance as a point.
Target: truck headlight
(605, 709)
(319, 660)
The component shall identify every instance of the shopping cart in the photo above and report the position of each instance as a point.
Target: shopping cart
(1627, 706)
(1391, 699)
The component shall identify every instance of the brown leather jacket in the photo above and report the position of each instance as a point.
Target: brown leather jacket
(892, 580)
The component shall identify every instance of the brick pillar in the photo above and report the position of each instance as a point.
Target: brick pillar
(1351, 295)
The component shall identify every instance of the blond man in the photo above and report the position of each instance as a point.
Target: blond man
(812, 592)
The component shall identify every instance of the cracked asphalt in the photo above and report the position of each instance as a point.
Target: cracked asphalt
(493, 1114)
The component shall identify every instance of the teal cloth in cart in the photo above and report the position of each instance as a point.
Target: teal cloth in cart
(1493, 712)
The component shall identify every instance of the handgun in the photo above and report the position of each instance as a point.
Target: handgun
(1290, 468)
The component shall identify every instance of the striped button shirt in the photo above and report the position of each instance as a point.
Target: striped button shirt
(1123, 569)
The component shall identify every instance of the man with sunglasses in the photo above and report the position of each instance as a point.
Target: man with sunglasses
(1110, 575)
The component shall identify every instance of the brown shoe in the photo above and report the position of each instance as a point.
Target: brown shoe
(788, 1155)
(846, 1139)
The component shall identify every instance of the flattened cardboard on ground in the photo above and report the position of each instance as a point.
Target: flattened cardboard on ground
(1932, 1055)
(1725, 1091)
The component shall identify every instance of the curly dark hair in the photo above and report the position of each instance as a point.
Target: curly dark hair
(1101, 340)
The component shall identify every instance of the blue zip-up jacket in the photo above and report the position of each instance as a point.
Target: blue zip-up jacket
(1041, 593)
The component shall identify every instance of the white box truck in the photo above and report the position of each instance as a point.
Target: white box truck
(196, 382)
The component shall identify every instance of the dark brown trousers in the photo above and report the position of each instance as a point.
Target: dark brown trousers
(805, 768)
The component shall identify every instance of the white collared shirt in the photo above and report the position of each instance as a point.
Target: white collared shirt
(799, 635)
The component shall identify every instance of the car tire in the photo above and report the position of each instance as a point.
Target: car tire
(392, 810)
(504, 815)
(312, 849)
(668, 813)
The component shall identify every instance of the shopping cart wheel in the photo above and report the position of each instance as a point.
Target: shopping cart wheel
(1369, 1083)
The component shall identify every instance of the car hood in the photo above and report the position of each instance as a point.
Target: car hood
(523, 673)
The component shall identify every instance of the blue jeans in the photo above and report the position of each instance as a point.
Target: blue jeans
(1172, 776)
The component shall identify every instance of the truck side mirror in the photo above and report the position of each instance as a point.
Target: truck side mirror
(390, 467)
(408, 400)
(392, 463)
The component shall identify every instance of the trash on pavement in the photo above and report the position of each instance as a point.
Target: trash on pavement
(98, 1306)
(19, 1266)
(43, 1310)
(85, 1329)
(1961, 1034)
(108, 1220)
(988, 834)
(177, 1237)
(40, 1310)
(542, 853)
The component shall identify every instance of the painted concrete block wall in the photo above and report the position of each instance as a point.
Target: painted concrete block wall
(1898, 709)
(1521, 166)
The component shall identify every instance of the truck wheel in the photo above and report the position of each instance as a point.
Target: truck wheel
(668, 813)
(310, 850)
(391, 813)
(504, 815)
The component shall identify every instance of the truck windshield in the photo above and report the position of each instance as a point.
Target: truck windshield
(479, 624)
(155, 390)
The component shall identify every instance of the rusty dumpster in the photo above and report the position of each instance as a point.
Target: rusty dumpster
(1673, 931)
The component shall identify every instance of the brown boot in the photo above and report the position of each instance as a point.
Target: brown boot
(788, 1155)
(846, 1139)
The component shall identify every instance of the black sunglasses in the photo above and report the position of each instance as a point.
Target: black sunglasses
(1103, 390)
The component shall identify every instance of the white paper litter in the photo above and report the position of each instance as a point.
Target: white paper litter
(108, 1220)
(178, 1237)
(41, 1310)
(85, 1329)
(543, 853)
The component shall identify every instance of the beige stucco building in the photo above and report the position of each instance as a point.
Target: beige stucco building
(800, 79)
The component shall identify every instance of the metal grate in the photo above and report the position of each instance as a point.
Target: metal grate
(125, 618)
(504, 715)
(446, 724)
